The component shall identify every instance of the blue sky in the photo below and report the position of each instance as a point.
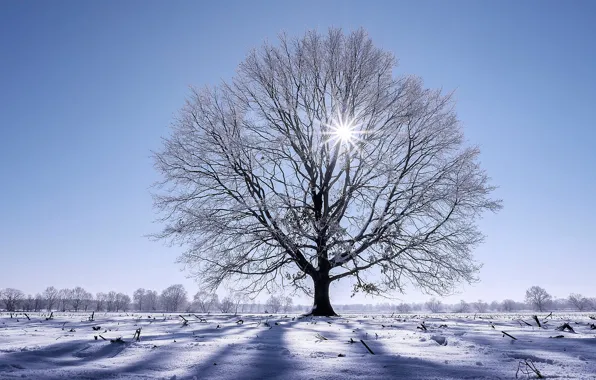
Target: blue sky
(87, 90)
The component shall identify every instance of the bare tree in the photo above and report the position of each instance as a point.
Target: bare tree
(287, 304)
(87, 301)
(226, 305)
(100, 301)
(51, 297)
(11, 298)
(404, 308)
(508, 305)
(495, 306)
(274, 304)
(151, 299)
(538, 298)
(111, 301)
(463, 307)
(173, 298)
(578, 301)
(480, 306)
(238, 298)
(315, 162)
(434, 305)
(205, 301)
(122, 302)
(139, 297)
(64, 299)
(78, 297)
(27, 303)
(38, 302)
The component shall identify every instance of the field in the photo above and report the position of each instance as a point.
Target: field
(453, 346)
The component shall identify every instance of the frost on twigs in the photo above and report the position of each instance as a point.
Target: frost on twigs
(316, 163)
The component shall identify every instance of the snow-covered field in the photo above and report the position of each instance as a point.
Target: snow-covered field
(287, 347)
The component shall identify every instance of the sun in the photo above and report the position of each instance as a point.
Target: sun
(344, 133)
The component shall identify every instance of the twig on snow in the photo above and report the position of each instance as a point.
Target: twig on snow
(527, 367)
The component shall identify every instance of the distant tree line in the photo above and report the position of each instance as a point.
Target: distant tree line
(175, 299)
(172, 299)
(536, 299)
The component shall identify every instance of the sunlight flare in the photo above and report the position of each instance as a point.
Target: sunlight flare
(344, 131)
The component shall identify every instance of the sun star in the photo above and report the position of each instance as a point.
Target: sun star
(344, 133)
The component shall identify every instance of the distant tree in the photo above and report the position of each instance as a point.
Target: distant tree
(480, 306)
(559, 304)
(38, 302)
(238, 298)
(462, 307)
(434, 305)
(494, 306)
(122, 302)
(11, 298)
(51, 295)
(139, 297)
(404, 308)
(537, 298)
(111, 300)
(316, 163)
(287, 304)
(508, 305)
(78, 297)
(173, 298)
(100, 301)
(578, 301)
(87, 301)
(204, 301)
(151, 299)
(64, 299)
(226, 305)
(27, 304)
(274, 304)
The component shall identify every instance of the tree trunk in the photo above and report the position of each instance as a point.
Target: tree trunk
(322, 305)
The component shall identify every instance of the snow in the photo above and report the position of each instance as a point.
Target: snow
(454, 346)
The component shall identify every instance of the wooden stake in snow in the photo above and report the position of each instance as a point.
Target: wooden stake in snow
(565, 326)
(509, 335)
(537, 321)
(137, 335)
(27, 316)
(368, 348)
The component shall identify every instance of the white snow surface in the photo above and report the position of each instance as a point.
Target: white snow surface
(455, 346)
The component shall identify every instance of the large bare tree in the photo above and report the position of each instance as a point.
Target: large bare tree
(317, 162)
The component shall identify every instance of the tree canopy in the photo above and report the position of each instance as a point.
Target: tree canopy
(316, 161)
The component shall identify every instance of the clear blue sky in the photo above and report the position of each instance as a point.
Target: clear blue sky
(87, 89)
